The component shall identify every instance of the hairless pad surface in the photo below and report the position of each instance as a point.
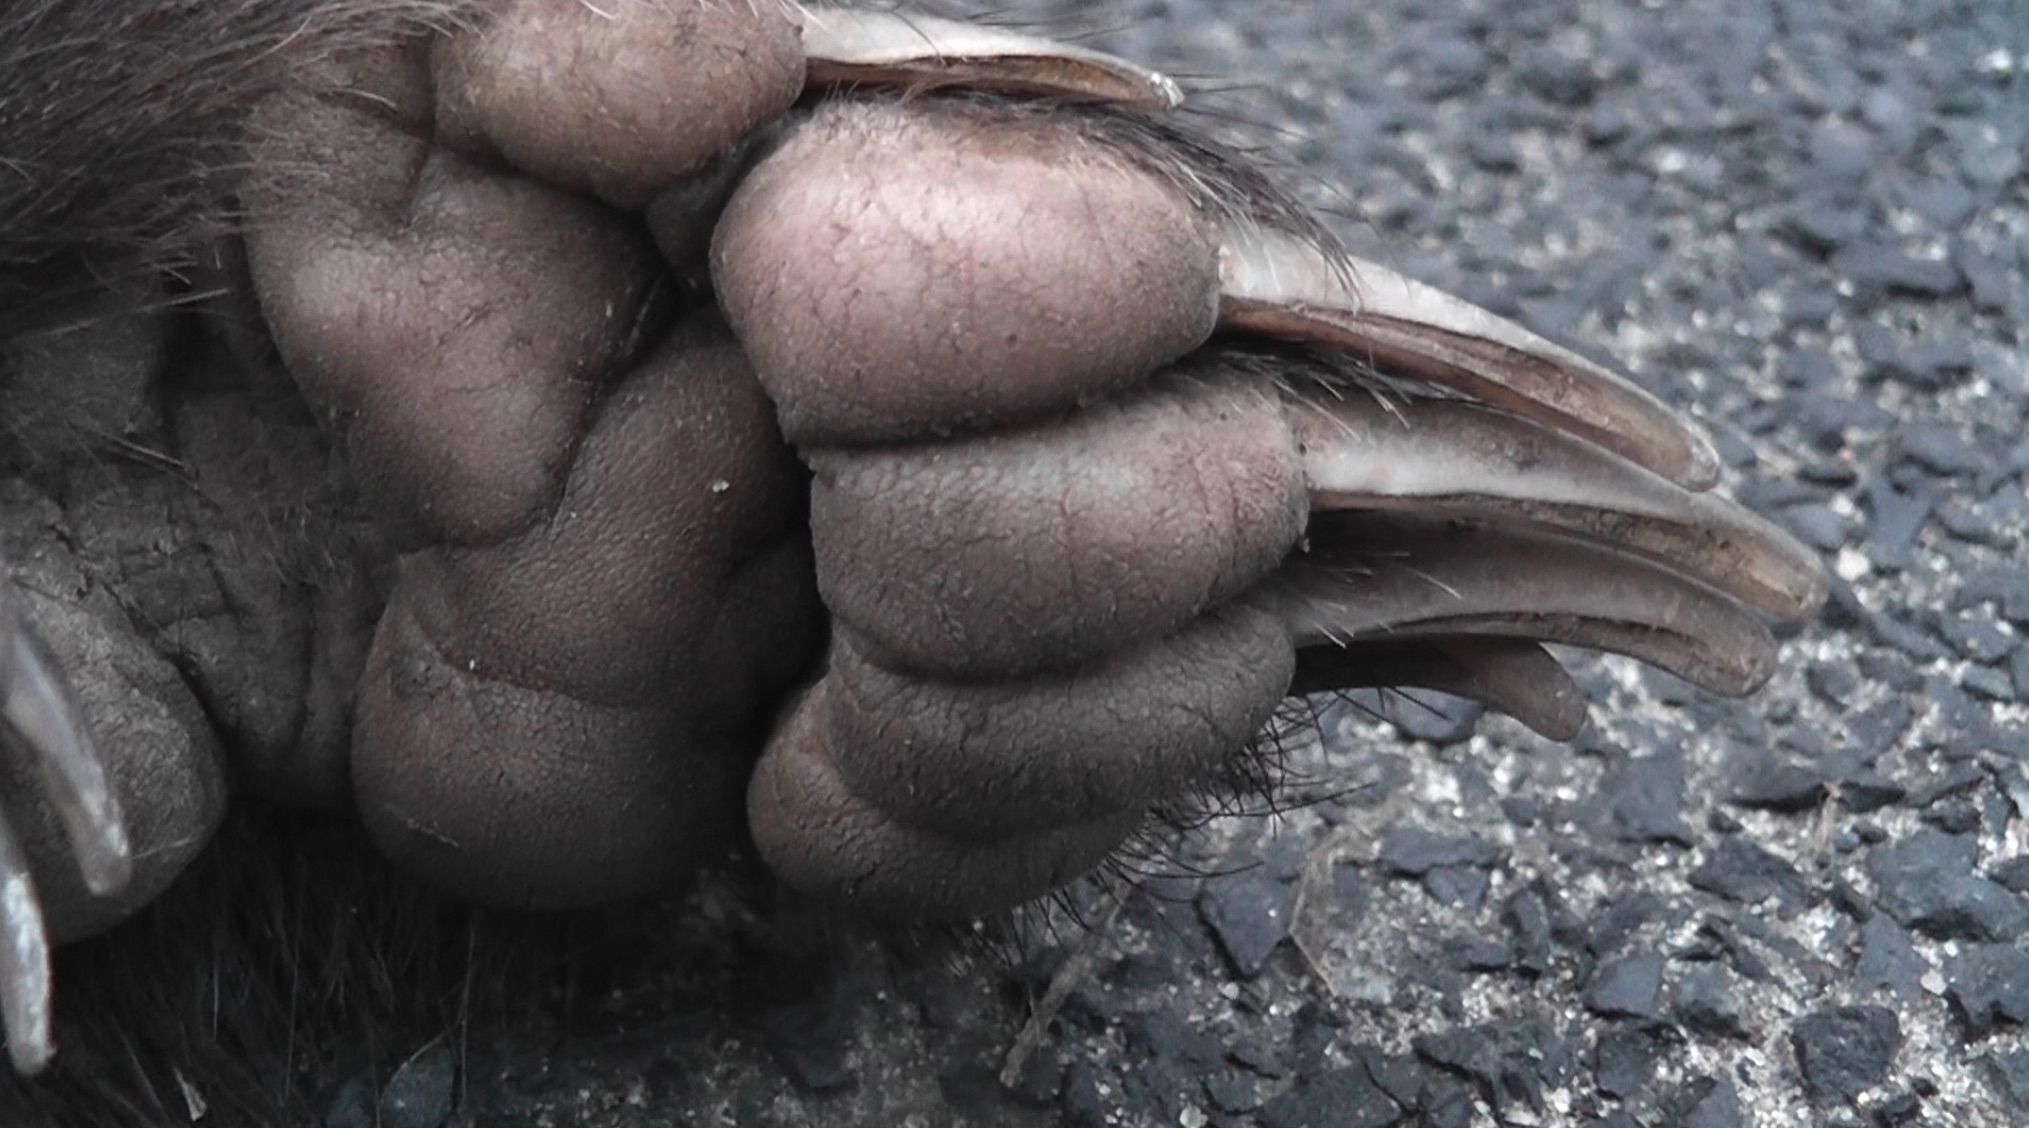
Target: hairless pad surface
(817, 836)
(454, 321)
(1007, 554)
(620, 97)
(525, 798)
(898, 269)
(620, 596)
(988, 760)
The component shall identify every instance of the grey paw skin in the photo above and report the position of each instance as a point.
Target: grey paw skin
(912, 428)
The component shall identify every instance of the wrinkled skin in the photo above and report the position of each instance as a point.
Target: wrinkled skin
(931, 485)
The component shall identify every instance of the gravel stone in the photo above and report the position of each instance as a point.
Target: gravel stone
(422, 1092)
(1629, 987)
(1706, 1102)
(1346, 1096)
(1988, 986)
(1765, 783)
(1623, 1062)
(1926, 882)
(1739, 870)
(1706, 1003)
(1845, 1052)
(1248, 912)
(1414, 851)
(1643, 799)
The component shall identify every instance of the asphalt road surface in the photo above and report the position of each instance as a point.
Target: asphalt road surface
(1806, 223)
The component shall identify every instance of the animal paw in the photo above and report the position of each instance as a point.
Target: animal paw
(670, 339)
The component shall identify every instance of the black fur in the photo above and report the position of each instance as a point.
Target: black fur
(120, 122)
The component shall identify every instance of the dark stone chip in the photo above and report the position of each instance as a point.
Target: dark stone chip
(1414, 851)
(1765, 783)
(2006, 588)
(1817, 525)
(1447, 1103)
(1507, 1062)
(1088, 1101)
(1248, 913)
(1826, 221)
(1898, 1109)
(1947, 204)
(1883, 269)
(1346, 1096)
(811, 1038)
(1234, 1096)
(1401, 1077)
(1162, 1087)
(1988, 985)
(1926, 881)
(1895, 519)
(1869, 792)
(1257, 1058)
(1529, 920)
(1447, 66)
(1478, 953)
(1705, 1003)
(1623, 1061)
(1629, 987)
(422, 1092)
(1642, 798)
(1557, 74)
(1628, 912)
(2011, 873)
(1463, 886)
(1705, 1102)
(1895, 672)
(1987, 682)
(1522, 810)
(1891, 631)
(1954, 781)
(1954, 816)
(1833, 684)
(1166, 1035)
(2008, 1077)
(1739, 870)
(1845, 1051)
(1940, 449)
(1979, 639)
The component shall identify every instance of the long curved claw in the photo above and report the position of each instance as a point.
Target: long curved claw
(1512, 676)
(47, 726)
(1280, 285)
(1462, 460)
(38, 707)
(1380, 576)
(846, 47)
(24, 960)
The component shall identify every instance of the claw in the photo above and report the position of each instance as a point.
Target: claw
(39, 710)
(889, 48)
(24, 961)
(1459, 459)
(1281, 286)
(1512, 676)
(38, 707)
(1379, 576)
